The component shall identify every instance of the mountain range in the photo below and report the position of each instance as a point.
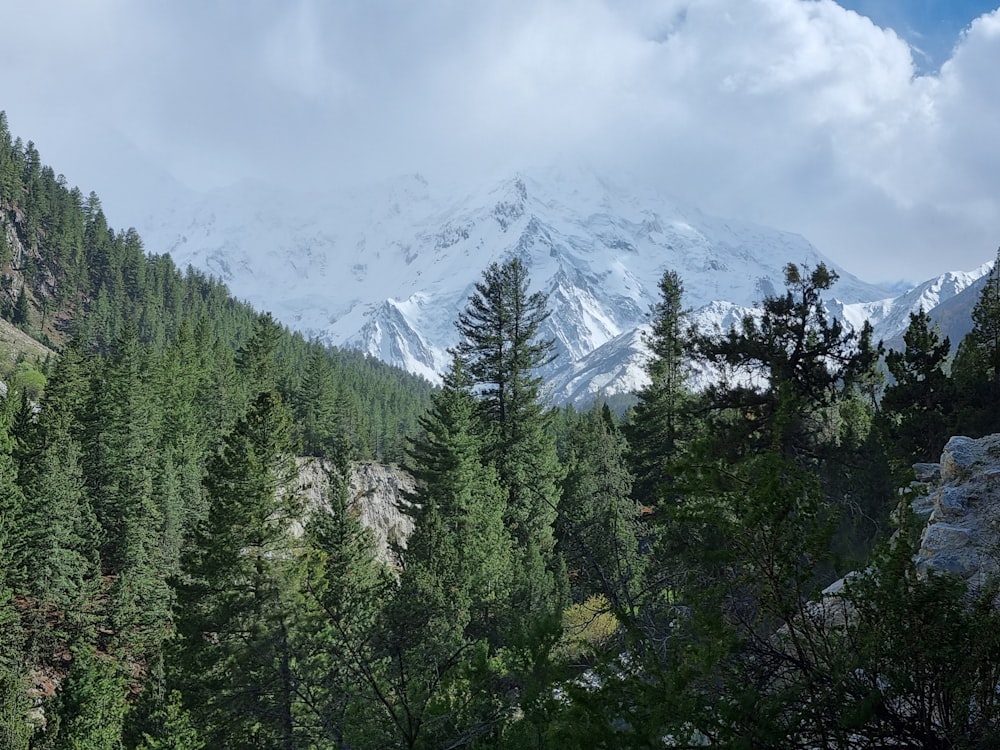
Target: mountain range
(387, 268)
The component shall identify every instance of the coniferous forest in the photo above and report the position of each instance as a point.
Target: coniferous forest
(574, 579)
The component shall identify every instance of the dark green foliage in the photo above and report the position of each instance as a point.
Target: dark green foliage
(174, 729)
(14, 704)
(448, 611)
(779, 370)
(656, 429)
(459, 510)
(15, 729)
(21, 315)
(500, 344)
(918, 404)
(92, 704)
(976, 369)
(241, 570)
(598, 525)
(344, 591)
(159, 572)
(501, 352)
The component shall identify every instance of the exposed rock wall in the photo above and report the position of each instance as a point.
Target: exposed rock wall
(962, 508)
(377, 493)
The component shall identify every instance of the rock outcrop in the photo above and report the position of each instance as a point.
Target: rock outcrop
(377, 494)
(962, 507)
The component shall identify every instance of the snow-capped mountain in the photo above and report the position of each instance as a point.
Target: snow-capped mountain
(891, 316)
(387, 269)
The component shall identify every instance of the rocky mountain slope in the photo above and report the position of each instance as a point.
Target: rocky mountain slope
(386, 269)
(377, 494)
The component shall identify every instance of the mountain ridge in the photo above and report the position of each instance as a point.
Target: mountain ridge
(386, 269)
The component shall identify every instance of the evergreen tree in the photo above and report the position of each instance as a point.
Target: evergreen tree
(345, 589)
(236, 604)
(121, 435)
(175, 730)
(21, 315)
(598, 524)
(918, 404)
(976, 370)
(501, 351)
(317, 407)
(655, 431)
(92, 705)
(780, 371)
(14, 706)
(443, 620)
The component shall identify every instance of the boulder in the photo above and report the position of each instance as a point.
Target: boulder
(962, 535)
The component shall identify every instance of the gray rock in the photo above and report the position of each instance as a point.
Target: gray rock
(962, 536)
(927, 472)
(951, 499)
(378, 495)
(957, 459)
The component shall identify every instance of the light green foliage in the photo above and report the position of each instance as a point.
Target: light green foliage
(29, 381)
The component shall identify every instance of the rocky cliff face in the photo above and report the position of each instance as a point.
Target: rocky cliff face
(962, 508)
(377, 493)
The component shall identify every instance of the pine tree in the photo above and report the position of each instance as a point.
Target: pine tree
(919, 402)
(598, 525)
(175, 730)
(21, 316)
(14, 706)
(976, 370)
(92, 704)
(464, 495)
(445, 616)
(317, 406)
(779, 371)
(120, 474)
(345, 589)
(655, 432)
(501, 351)
(236, 614)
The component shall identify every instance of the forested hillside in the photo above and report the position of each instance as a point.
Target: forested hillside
(573, 580)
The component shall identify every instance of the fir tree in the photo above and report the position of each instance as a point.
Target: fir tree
(655, 432)
(236, 606)
(976, 370)
(598, 525)
(345, 589)
(501, 351)
(92, 705)
(443, 620)
(919, 402)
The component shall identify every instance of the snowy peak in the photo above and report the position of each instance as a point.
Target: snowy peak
(891, 316)
(386, 269)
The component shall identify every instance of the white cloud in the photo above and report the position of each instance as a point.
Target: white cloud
(796, 113)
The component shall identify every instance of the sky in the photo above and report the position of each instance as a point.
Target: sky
(869, 126)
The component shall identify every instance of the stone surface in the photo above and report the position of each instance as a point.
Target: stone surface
(377, 492)
(962, 535)
(926, 472)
